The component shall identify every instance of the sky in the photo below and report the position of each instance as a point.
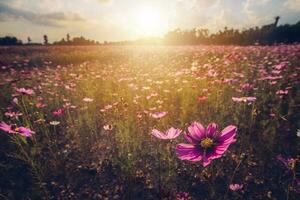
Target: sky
(115, 20)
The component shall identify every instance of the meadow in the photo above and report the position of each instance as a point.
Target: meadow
(150, 122)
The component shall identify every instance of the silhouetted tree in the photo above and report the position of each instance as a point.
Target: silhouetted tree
(276, 21)
(45, 40)
(9, 40)
(76, 41)
(28, 40)
(68, 37)
(267, 34)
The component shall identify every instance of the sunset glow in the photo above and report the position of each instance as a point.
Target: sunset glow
(150, 21)
(119, 20)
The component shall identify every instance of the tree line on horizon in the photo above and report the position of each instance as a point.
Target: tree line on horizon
(265, 35)
(11, 40)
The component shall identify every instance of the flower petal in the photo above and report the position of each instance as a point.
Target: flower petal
(196, 131)
(25, 132)
(173, 133)
(7, 128)
(188, 152)
(220, 149)
(211, 130)
(227, 134)
(158, 134)
(190, 139)
(208, 157)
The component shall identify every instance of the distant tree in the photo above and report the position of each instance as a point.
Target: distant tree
(10, 40)
(267, 34)
(45, 40)
(276, 20)
(28, 40)
(76, 41)
(68, 37)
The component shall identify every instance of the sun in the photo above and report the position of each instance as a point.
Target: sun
(150, 21)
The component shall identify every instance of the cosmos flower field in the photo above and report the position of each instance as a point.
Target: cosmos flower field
(150, 122)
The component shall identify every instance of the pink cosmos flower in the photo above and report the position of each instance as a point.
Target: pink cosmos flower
(25, 91)
(205, 144)
(107, 107)
(201, 98)
(172, 133)
(108, 127)
(289, 163)
(282, 92)
(244, 99)
(19, 130)
(24, 131)
(158, 115)
(7, 128)
(246, 87)
(183, 196)
(13, 115)
(58, 112)
(88, 100)
(235, 187)
(15, 101)
(40, 105)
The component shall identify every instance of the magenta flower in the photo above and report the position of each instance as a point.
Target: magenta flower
(7, 128)
(58, 112)
(25, 91)
(183, 196)
(289, 163)
(172, 133)
(19, 130)
(26, 132)
(205, 144)
(235, 187)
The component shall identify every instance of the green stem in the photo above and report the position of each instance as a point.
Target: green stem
(233, 174)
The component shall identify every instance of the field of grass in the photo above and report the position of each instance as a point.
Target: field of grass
(79, 122)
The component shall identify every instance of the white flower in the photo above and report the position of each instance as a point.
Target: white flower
(54, 123)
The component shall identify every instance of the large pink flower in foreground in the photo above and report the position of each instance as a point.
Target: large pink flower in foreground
(205, 144)
(172, 133)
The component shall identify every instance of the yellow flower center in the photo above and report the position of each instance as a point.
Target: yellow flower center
(206, 143)
(17, 129)
(291, 164)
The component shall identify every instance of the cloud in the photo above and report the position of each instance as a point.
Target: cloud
(48, 19)
(191, 13)
(292, 5)
(259, 12)
(225, 18)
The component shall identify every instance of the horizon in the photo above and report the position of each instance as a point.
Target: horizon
(114, 20)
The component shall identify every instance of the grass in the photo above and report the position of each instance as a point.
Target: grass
(79, 159)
